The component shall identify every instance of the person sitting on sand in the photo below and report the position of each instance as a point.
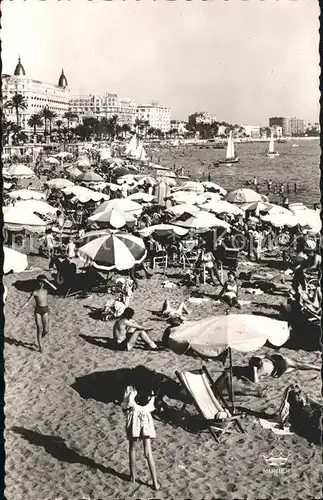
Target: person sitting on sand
(207, 260)
(138, 404)
(168, 311)
(229, 291)
(113, 309)
(126, 332)
(40, 295)
(275, 366)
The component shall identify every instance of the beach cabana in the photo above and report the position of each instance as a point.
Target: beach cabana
(27, 194)
(14, 261)
(119, 251)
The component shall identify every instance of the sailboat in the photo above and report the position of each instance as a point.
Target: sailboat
(271, 151)
(140, 153)
(230, 156)
(132, 146)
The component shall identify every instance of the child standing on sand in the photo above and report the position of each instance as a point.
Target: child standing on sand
(138, 404)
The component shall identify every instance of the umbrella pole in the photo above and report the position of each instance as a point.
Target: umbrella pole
(231, 381)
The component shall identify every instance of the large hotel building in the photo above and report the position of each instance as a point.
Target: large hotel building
(290, 126)
(37, 94)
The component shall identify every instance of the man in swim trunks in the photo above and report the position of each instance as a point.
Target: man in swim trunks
(275, 366)
(40, 294)
(126, 332)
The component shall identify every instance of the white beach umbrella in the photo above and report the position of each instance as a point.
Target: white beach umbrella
(17, 220)
(212, 186)
(83, 162)
(14, 261)
(27, 194)
(186, 197)
(36, 206)
(19, 171)
(59, 183)
(113, 217)
(141, 197)
(196, 187)
(201, 220)
(221, 207)
(52, 161)
(183, 208)
(210, 197)
(122, 204)
(243, 195)
(84, 194)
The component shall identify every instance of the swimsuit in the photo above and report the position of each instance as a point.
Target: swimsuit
(41, 310)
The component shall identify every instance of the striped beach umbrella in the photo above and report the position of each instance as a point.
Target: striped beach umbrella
(114, 251)
(113, 217)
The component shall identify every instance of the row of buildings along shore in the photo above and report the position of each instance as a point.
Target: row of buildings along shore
(58, 99)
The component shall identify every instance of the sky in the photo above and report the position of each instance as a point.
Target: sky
(243, 60)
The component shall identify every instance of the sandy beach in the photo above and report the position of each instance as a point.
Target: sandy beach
(65, 435)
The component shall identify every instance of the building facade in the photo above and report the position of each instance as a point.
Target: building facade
(202, 117)
(252, 131)
(157, 115)
(290, 126)
(104, 105)
(179, 125)
(38, 95)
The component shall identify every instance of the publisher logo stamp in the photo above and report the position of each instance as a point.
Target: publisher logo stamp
(276, 462)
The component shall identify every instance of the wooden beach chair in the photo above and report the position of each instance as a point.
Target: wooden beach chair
(210, 405)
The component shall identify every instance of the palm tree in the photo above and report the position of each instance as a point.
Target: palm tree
(50, 116)
(45, 113)
(18, 103)
(70, 116)
(35, 121)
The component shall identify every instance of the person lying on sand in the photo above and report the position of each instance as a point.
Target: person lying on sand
(168, 311)
(40, 295)
(275, 366)
(126, 332)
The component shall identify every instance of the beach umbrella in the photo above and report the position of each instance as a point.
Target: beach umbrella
(141, 179)
(36, 206)
(105, 153)
(256, 206)
(14, 261)
(241, 332)
(122, 204)
(113, 217)
(52, 161)
(277, 209)
(201, 220)
(27, 194)
(221, 207)
(83, 162)
(243, 195)
(73, 172)
(16, 219)
(210, 197)
(183, 208)
(163, 230)
(141, 197)
(114, 187)
(59, 183)
(280, 220)
(186, 197)
(196, 187)
(114, 251)
(20, 171)
(211, 186)
(84, 194)
(90, 176)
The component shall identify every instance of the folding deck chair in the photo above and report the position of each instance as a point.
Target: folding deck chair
(200, 388)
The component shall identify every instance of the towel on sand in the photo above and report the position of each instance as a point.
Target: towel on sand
(274, 426)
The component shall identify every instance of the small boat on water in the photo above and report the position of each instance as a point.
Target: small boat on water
(271, 151)
(294, 145)
(230, 156)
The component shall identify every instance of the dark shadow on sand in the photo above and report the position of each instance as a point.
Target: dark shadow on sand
(56, 447)
(19, 343)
